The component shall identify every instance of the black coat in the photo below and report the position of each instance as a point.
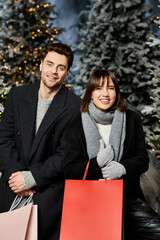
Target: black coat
(135, 158)
(42, 154)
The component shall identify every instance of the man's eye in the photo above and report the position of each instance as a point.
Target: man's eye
(61, 68)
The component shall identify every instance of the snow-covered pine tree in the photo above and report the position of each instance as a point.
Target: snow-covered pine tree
(82, 31)
(26, 26)
(152, 112)
(116, 39)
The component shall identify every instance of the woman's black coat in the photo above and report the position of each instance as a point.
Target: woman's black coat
(135, 158)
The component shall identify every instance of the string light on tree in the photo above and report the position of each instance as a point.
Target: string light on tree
(24, 40)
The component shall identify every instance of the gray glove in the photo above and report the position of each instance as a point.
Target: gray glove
(113, 170)
(105, 154)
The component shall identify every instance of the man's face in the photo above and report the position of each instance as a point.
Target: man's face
(53, 70)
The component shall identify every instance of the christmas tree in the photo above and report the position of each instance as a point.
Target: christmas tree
(153, 112)
(116, 40)
(26, 27)
(77, 47)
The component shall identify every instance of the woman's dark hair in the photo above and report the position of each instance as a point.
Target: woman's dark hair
(94, 82)
(62, 49)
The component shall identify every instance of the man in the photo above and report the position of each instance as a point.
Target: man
(31, 129)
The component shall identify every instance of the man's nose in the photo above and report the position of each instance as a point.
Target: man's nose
(54, 69)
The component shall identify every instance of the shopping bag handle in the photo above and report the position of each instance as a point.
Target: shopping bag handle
(86, 170)
(17, 201)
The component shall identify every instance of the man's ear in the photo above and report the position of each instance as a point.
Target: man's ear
(67, 73)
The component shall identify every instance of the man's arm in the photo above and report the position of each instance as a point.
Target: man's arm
(9, 158)
(8, 150)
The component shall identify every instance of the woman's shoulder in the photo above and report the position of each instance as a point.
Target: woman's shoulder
(132, 113)
(133, 116)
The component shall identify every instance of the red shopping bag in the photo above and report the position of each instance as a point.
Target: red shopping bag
(92, 209)
(19, 224)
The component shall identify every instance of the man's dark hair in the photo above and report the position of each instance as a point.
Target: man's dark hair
(62, 49)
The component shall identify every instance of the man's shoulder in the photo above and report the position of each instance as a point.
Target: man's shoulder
(75, 123)
(23, 90)
(72, 98)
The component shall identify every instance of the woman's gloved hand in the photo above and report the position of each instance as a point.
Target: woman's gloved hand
(113, 170)
(105, 154)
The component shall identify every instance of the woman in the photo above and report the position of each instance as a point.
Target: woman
(111, 136)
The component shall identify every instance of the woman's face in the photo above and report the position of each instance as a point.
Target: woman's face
(104, 95)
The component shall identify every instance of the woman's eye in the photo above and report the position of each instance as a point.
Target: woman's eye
(98, 88)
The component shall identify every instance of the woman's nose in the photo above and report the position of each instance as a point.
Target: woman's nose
(105, 92)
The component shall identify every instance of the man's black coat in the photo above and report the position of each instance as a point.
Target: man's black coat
(42, 154)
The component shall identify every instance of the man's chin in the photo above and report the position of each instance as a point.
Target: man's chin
(54, 86)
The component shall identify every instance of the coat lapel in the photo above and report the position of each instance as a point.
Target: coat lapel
(56, 108)
(27, 118)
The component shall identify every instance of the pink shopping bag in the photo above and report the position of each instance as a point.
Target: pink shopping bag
(19, 224)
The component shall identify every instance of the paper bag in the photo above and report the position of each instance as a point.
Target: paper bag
(92, 210)
(19, 224)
